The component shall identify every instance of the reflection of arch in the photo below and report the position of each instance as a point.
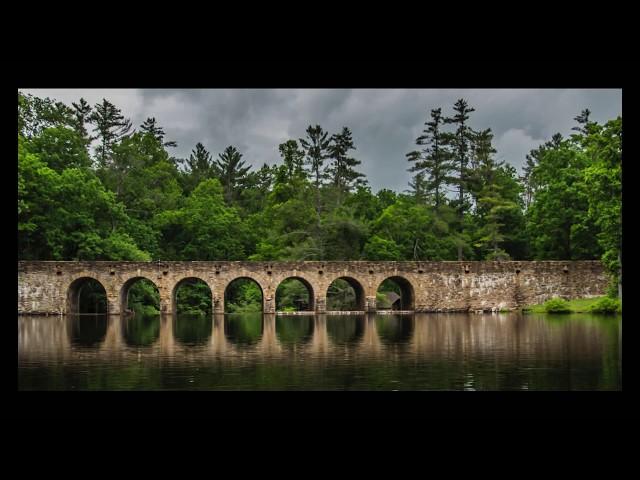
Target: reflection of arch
(357, 288)
(311, 304)
(295, 330)
(395, 329)
(243, 329)
(75, 290)
(345, 329)
(226, 288)
(184, 281)
(124, 292)
(407, 295)
(88, 330)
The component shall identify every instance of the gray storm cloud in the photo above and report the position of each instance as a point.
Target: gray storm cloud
(385, 122)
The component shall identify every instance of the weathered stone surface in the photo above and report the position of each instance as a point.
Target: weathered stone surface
(50, 286)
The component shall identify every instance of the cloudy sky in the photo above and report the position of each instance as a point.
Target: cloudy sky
(385, 123)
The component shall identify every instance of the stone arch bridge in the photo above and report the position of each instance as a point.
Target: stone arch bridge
(52, 287)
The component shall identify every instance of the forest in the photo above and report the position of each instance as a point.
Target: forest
(92, 186)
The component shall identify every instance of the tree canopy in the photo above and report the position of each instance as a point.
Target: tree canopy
(90, 187)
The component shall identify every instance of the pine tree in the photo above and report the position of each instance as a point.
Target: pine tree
(231, 171)
(481, 158)
(292, 157)
(491, 203)
(583, 121)
(341, 169)
(111, 127)
(459, 142)
(82, 113)
(150, 126)
(433, 163)
(316, 148)
(199, 166)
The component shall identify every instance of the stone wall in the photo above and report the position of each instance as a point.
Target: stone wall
(48, 287)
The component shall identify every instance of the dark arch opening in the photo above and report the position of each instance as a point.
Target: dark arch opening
(192, 296)
(345, 294)
(243, 294)
(294, 294)
(395, 293)
(140, 296)
(86, 295)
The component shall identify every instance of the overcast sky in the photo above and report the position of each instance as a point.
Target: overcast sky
(385, 123)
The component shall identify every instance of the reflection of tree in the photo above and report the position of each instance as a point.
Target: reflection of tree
(142, 329)
(294, 329)
(243, 328)
(193, 329)
(343, 329)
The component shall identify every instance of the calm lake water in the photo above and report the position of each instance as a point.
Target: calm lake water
(322, 352)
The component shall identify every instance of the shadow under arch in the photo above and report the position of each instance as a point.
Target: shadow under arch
(402, 297)
(246, 303)
(88, 294)
(205, 306)
(126, 288)
(307, 305)
(340, 298)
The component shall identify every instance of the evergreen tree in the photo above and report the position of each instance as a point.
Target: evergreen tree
(459, 142)
(231, 172)
(150, 126)
(199, 166)
(316, 148)
(341, 169)
(481, 160)
(292, 157)
(111, 127)
(433, 163)
(82, 114)
(583, 121)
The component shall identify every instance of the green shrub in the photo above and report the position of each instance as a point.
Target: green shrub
(607, 305)
(557, 305)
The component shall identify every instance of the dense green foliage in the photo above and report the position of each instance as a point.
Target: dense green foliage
(91, 187)
(607, 305)
(557, 305)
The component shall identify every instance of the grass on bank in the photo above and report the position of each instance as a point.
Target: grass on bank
(580, 305)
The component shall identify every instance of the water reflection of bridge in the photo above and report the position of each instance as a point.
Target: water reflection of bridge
(427, 336)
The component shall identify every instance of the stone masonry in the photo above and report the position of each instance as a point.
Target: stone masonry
(49, 287)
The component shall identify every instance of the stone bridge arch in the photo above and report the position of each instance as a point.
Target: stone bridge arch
(359, 287)
(181, 281)
(268, 296)
(310, 284)
(126, 287)
(407, 289)
(74, 289)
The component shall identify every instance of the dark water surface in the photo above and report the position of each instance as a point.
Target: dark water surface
(322, 352)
